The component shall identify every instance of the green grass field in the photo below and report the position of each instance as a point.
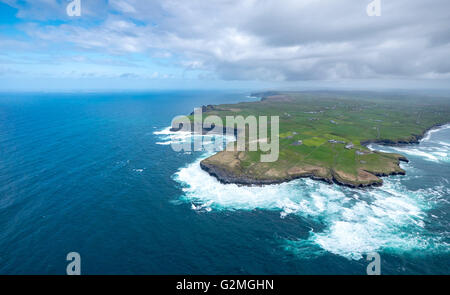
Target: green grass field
(315, 118)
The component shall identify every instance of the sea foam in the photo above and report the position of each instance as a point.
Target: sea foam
(356, 222)
(429, 149)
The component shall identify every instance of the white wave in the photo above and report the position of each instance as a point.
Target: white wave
(201, 187)
(165, 131)
(168, 137)
(212, 142)
(356, 222)
(417, 152)
(431, 153)
(378, 148)
(444, 143)
(205, 206)
(164, 143)
(391, 219)
(434, 154)
(434, 130)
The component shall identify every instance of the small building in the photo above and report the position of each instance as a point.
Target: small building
(298, 142)
(350, 146)
(336, 141)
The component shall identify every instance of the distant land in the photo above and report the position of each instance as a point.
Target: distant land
(324, 136)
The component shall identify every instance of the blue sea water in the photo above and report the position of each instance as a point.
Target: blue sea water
(94, 173)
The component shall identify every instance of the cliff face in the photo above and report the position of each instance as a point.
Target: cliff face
(204, 131)
(324, 136)
(229, 167)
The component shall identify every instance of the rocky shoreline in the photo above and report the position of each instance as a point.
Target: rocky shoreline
(205, 131)
(226, 175)
(223, 176)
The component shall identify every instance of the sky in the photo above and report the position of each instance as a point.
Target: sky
(238, 44)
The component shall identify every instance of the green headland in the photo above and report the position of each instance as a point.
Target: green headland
(324, 135)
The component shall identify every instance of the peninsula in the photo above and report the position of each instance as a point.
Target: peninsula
(324, 136)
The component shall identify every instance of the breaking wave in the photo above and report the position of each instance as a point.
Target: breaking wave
(357, 222)
(213, 142)
(390, 218)
(429, 149)
(427, 136)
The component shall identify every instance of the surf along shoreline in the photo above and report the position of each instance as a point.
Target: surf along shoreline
(225, 176)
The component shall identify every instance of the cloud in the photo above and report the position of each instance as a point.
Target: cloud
(44, 10)
(129, 75)
(267, 40)
(4, 71)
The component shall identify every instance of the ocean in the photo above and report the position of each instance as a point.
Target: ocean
(94, 173)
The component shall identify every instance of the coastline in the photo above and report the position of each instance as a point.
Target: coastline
(415, 139)
(226, 175)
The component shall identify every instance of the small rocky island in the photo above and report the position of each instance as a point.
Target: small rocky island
(325, 137)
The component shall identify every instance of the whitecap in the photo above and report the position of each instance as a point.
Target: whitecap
(164, 143)
(434, 130)
(444, 143)
(164, 131)
(417, 153)
(356, 222)
(212, 142)
(390, 219)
